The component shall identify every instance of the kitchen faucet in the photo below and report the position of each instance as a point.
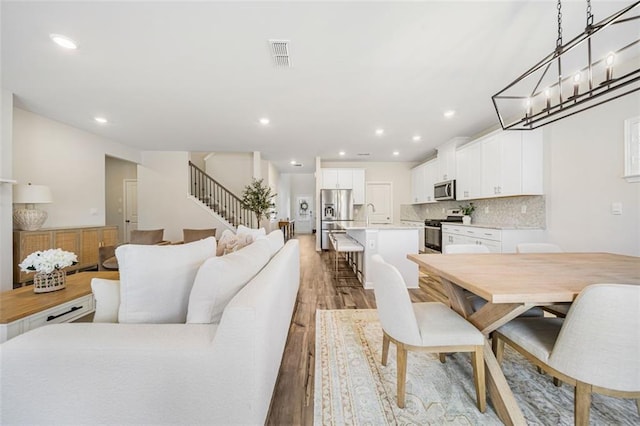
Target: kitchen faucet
(373, 210)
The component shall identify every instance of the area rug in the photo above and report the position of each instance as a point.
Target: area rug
(353, 388)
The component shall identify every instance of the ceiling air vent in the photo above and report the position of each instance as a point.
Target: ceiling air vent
(297, 165)
(280, 53)
(363, 154)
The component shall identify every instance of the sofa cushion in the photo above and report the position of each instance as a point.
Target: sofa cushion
(219, 279)
(155, 281)
(243, 230)
(107, 296)
(276, 241)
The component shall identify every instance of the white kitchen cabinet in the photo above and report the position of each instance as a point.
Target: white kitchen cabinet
(446, 165)
(468, 171)
(495, 239)
(418, 184)
(358, 186)
(500, 164)
(422, 179)
(345, 179)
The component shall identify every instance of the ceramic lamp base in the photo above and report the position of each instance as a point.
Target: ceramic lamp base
(29, 219)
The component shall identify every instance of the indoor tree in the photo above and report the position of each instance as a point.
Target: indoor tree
(257, 197)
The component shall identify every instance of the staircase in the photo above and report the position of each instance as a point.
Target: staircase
(218, 198)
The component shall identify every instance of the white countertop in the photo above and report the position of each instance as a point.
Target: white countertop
(378, 226)
(492, 226)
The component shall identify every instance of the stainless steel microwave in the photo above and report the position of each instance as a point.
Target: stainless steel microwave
(444, 190)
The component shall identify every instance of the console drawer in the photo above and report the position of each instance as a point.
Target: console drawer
(66, 312)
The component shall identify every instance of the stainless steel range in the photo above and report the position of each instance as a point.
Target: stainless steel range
(433, 230)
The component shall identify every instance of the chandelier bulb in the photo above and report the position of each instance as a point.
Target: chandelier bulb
(609, 60)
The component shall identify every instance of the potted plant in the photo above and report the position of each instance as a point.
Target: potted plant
(257, 197)
(466, 211)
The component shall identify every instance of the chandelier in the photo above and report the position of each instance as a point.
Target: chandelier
(560, 85)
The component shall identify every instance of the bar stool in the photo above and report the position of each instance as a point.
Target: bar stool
(351, 249)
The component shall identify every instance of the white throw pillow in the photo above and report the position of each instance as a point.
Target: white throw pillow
(155, 281)
(253, 232)
(221, 278)
(107, 296)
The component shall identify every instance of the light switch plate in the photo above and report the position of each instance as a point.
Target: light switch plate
(616, 208)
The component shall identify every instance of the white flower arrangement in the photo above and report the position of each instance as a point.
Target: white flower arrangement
(49, 260)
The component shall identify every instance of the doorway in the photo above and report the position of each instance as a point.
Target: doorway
(117, 171)
(130, 208)
(380, 195)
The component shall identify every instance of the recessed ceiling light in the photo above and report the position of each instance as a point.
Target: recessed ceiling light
(264, 121)
(63, 41)
(396, 153)
(292, 162)
(450, 113)
(342, 153)
(379, 132)
(416, 138)
(101, 120)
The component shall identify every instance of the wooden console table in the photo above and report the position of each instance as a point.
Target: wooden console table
(22, 310)
(288, 228)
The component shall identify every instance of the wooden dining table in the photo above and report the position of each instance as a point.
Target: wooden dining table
(514, 283)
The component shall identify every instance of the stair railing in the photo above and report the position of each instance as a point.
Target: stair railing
(218, 198)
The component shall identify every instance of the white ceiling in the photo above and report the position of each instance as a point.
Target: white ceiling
(197, 76)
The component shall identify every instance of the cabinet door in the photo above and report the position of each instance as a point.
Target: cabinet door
(417, 184)
(491, 158)
(110, 236)
(431, 176)
(69, 240)
(469, 172)
(329, 178)
(510, 182)
(345, 178)
(446, 163)
(90, 240)
(358, 186)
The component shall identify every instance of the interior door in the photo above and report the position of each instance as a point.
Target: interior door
(130, 207)
(380, 194)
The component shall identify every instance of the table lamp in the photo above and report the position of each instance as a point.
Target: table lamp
(29, 218)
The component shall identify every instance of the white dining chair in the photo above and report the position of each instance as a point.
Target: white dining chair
(478, 302)
(559, 309)
(428, 327)
(596, 348)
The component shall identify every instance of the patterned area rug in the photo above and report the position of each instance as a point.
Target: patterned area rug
(353, 388)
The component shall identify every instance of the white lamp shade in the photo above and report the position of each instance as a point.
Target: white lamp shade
(31, 194)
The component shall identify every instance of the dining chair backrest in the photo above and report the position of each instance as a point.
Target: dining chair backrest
(395, 309)
(465, 249)
(538, 248)
(599, 342)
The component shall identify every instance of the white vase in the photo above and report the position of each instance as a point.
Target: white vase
(466, 220)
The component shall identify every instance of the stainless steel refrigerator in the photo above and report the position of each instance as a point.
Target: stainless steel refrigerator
(336, 208)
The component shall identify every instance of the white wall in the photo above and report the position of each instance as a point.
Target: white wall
(163, 188)
(233, 170)
(6, 191)
(584, 163)
(396, 172)
(70, 161)
(283, 199)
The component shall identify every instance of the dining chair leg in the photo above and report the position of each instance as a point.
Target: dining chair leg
(402, 373)
(443, 357)
(582, 404)
(497, 345)
(638, 405)
(477, 359)
(556, 382)
(385, 348)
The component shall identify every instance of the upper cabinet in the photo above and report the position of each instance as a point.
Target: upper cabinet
(345, 179)
(501, 164)
(423, 177)
(446, 167)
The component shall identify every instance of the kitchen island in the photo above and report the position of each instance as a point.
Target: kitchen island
(391, 241)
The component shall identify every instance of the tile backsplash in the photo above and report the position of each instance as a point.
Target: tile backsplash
(505, 211)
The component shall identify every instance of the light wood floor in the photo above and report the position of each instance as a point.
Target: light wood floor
(292, 402)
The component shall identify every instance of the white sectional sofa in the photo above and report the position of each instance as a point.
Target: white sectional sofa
(195, 374)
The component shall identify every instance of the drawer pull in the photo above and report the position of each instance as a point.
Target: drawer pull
(73, 309)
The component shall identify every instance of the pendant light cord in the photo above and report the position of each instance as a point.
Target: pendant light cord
(559, 39)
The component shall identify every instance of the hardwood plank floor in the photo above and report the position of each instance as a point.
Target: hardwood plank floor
(292, 402)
